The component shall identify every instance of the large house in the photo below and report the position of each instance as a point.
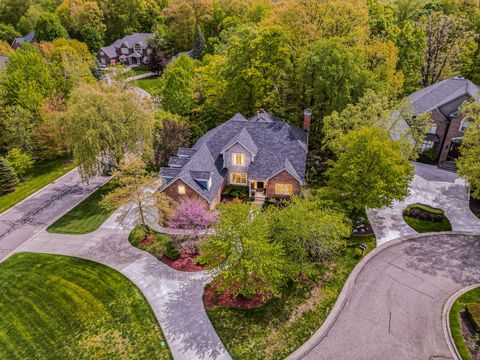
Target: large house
(17, 42)
(131, 49)
(264, 154)
(443, 100)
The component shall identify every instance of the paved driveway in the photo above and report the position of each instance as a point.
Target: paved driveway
(393, 305)
(39, 210)
(175, 296)
(430, 186)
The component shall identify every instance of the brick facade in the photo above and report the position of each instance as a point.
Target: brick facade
(282, 177)
(453, 132)
(171, 191)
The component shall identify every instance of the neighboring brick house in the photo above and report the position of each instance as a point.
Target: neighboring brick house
(131, 50)
(17, 42)
(443, 100)
(262, 153)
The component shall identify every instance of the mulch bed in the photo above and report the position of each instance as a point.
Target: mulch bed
(186, 262)
(212, 299)
(150, 239)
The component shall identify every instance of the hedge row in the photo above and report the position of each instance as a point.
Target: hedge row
(473, 311)
(425, 208)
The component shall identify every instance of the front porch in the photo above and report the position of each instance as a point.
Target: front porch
(257, 191)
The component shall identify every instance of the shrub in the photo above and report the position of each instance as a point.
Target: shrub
(424, 212)
(428, 157)
(473, 311)
(8, 178)
(171, 251)
(237, 192)
(138, 233)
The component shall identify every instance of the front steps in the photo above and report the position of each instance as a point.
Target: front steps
(449, 166)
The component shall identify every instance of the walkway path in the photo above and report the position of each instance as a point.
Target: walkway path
(175, 296)
(36, 212)
(430, 186)
(391, 307)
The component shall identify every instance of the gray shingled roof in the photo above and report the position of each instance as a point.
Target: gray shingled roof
(129, 40)
(243, 138)
(26, 38)
(279, 146)
(443, 92)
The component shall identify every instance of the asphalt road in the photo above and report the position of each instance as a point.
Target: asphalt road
(39, 210)
(394, 307)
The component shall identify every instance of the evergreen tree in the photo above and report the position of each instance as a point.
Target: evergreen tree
(8, 178)
(198, 44)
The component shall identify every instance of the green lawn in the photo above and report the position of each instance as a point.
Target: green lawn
(472, 296)
(149, 84)
(59, 307)
(86, 216)
(139, 70)
(161, 244)
(423, 226)
(278, 328)
(43, 173)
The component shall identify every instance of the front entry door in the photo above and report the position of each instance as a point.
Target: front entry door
(260, 185)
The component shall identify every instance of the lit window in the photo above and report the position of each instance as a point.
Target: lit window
(464, 125)
(181, 189)
(238, 159)
(433, 129)
(283, 189)
(238, 178)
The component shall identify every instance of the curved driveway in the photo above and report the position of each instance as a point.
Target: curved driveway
(391, 307)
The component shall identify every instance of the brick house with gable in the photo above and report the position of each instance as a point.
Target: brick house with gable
(443, 101)
(264, 154)
(131, 50)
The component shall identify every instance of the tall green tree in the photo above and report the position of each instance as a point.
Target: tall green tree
(449, 43)
(309, 231)
(371, 171)
(198, 44)
(468, 163)
(176, 85)
(104, 122)
(27, 80)
(48, 27)
(240, 249)
(160, 52)
(8, 33)
(376, 110)
(8, 178)
(20, 161)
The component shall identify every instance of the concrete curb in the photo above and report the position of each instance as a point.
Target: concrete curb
(343, 298)
(446, 319)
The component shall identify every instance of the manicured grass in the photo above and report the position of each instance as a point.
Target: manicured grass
(422, 225)
(149, 84)
(158, 244)
(86, 216)
(278, 328)
(42, 173)
(59, 307)
(139, 70)
(470, 297)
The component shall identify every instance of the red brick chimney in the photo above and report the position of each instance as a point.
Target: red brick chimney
(307, 119)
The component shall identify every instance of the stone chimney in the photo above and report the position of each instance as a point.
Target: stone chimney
(307, 119)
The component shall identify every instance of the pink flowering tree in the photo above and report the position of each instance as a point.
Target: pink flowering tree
(191, 214)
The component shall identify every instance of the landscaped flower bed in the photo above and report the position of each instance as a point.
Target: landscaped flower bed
(212, 297)
(423, 218)
(184, 262)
